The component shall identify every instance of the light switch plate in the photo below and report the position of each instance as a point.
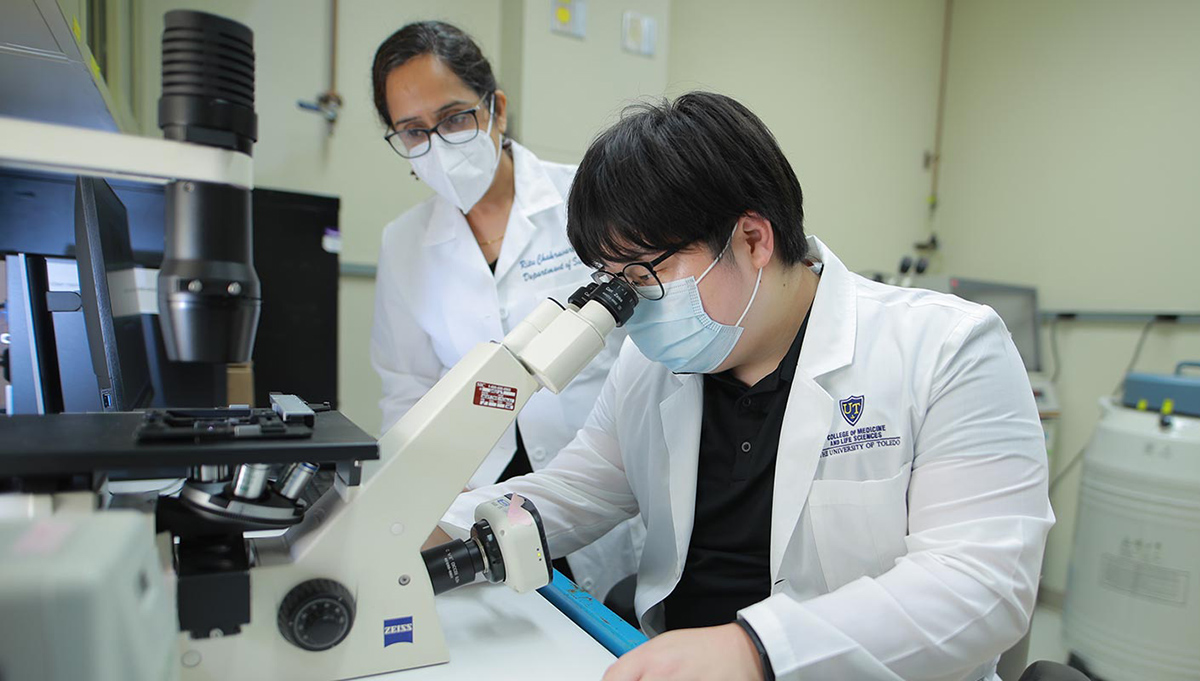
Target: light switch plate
(639, 33)
(569, 17)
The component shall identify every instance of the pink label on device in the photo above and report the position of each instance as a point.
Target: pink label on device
(495, 396)
(517, 515)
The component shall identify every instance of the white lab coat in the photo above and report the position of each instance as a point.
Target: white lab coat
(436, 299)
(906, 535)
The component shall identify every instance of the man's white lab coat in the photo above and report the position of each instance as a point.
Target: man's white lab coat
(910, 505)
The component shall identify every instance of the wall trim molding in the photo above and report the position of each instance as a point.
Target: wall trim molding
(357, 269)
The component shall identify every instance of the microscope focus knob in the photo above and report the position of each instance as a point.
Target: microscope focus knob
(317, 614)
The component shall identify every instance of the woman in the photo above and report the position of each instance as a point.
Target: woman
(469, 263)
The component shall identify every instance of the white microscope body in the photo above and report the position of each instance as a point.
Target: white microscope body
(364, 542)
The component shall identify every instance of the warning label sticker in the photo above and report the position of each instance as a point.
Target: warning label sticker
(1144, 580)
(495, 396)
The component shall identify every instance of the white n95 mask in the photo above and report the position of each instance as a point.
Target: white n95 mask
(676, 331)
(460, 173)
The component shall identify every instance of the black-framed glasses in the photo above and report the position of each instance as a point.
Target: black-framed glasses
(457, 128)
(640, 276)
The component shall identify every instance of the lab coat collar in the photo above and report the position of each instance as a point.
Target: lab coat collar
(683, 407)
(534, 193)
(833, 323)
(446, 222)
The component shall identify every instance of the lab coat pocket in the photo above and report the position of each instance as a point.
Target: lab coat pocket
(859, 526)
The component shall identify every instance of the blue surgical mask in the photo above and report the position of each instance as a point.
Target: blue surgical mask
(676, 331)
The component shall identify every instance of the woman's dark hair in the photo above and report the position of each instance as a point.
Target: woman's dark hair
(675, 174)
(450, 44)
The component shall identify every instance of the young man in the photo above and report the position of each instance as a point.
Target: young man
(839, 479)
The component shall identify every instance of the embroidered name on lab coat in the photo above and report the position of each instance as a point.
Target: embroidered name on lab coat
(548, 262)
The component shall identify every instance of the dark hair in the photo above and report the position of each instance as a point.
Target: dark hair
(447, 42)
(675, 174)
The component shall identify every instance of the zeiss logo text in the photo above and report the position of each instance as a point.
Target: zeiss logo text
(399, 630)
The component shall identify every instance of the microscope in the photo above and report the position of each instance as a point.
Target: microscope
(264, 573)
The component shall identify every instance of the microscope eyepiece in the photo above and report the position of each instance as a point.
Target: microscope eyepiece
(616, 296)
(582, 294)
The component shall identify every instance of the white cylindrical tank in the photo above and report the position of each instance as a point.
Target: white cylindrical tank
(1133, 596)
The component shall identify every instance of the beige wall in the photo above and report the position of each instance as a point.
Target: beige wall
(850, 90)
(570, 89)
(1070, 163)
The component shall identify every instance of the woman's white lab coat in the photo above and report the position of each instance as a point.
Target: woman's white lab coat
(910, 503)
(435, 299)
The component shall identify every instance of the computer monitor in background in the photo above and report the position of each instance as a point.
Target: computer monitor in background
(109, 294)
(300, 304)
(1016, 305)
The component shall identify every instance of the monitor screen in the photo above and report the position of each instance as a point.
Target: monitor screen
(108, 290)
(1017, 306)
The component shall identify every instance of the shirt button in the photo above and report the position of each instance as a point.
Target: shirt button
(504, 313)
(745, 446)
(746, 402)
(539, 453)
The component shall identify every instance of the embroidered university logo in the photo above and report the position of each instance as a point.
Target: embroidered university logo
(852, 409)
(399, 630)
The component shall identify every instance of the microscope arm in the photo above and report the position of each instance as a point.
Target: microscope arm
(429, 455)
(446, 435)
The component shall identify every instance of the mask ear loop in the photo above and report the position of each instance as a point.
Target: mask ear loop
(491, 114)
(757, 281)
(719, 255)
(488, 133)
(752, 295)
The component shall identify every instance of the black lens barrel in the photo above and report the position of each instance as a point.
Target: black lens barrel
(617, 297)
(209, 295)
(453, 564)
(208, 81)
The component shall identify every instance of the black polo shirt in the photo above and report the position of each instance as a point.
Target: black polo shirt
(728, 565)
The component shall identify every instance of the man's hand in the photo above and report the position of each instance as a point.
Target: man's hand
(722, 653)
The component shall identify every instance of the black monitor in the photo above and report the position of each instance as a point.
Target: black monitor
(109, 293)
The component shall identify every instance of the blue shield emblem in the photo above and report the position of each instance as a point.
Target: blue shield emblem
(399, 630)
(852, 409)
